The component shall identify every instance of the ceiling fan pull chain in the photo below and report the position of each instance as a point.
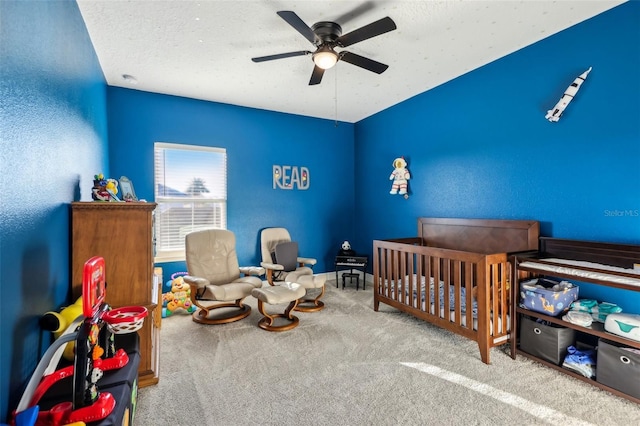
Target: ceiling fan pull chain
(335, 97)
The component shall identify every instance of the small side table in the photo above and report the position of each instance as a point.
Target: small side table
(351, 276)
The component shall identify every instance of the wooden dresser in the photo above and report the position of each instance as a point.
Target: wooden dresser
(121, 233)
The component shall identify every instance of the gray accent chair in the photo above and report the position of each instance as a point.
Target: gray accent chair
(292, 268)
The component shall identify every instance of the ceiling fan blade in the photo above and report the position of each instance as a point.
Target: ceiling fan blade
(362, 62)
(376, 28)
(316, 76)
(357, 11)
(280, 56)
(297, 23)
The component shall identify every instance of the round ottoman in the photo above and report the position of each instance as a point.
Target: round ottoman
(311, 304)
(275, 295)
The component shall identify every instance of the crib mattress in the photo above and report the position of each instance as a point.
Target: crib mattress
(451, 304)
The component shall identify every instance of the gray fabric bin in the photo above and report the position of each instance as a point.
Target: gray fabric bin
(618, 368)
(544, 341)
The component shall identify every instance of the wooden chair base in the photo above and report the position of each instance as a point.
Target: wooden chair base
(267, 323)
(203, 314)
(309, 305)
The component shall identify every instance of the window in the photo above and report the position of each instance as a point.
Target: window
(191, 193)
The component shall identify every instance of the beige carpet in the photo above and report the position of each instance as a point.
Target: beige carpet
(349, 365)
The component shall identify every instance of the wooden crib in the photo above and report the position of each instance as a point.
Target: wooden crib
(468, 259)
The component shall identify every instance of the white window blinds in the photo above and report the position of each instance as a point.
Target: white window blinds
(191, 193)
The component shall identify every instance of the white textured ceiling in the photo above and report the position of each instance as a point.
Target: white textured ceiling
(203, 49)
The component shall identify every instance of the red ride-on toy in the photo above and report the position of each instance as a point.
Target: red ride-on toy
(94, 353)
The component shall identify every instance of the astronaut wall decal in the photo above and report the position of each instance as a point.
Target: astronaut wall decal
(400, 177)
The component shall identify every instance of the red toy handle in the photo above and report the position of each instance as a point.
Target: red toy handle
(119, 360)
(64, 413)
(48, 381)
(93, 286)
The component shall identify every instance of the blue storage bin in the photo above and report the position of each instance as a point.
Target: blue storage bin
(547, 296)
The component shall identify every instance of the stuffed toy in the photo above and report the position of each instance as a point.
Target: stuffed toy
(58, 323)
(345, 250)
(112, 186)
(179, 296)
(104, 189)
(399, 176)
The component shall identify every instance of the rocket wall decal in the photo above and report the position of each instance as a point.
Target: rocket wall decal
(555, 113)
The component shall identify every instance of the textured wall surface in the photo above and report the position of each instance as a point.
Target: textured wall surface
(480, 147)
(53, 135)
(319, 218)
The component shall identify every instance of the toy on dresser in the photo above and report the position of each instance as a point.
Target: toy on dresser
(104, 189)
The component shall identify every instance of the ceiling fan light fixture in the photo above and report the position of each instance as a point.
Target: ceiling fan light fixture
(325, 58)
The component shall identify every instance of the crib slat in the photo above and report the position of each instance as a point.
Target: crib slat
(494, 287)
(412, 279)
(419, 286)
(389, 275)
(437, 273)
(469, 285)
(428, 273)
(446, 288)
(402, 266)
(453, 288)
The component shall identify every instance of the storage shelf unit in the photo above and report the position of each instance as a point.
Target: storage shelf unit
(121, 233)
(612, 254)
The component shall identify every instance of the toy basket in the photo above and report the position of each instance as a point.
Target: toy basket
(127, 319)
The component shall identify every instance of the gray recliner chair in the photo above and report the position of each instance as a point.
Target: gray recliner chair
(282, 264)
(215, 277)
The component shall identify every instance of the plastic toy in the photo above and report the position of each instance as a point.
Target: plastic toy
(178, 296)
(112, 186)
(94, 354)
(555, 113)
(104, 189)
(400, 176)
(57, 323)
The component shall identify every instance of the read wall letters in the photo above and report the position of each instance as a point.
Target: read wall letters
(290, 177)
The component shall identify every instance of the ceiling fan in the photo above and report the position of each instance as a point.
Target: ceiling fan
(326, 36)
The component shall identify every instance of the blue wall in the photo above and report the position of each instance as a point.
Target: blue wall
(53, 134)
(480, 147)
(319, 218)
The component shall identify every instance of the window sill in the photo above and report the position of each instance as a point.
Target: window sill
(166, 259)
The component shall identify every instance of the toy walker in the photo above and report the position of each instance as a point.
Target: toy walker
(93, 333)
